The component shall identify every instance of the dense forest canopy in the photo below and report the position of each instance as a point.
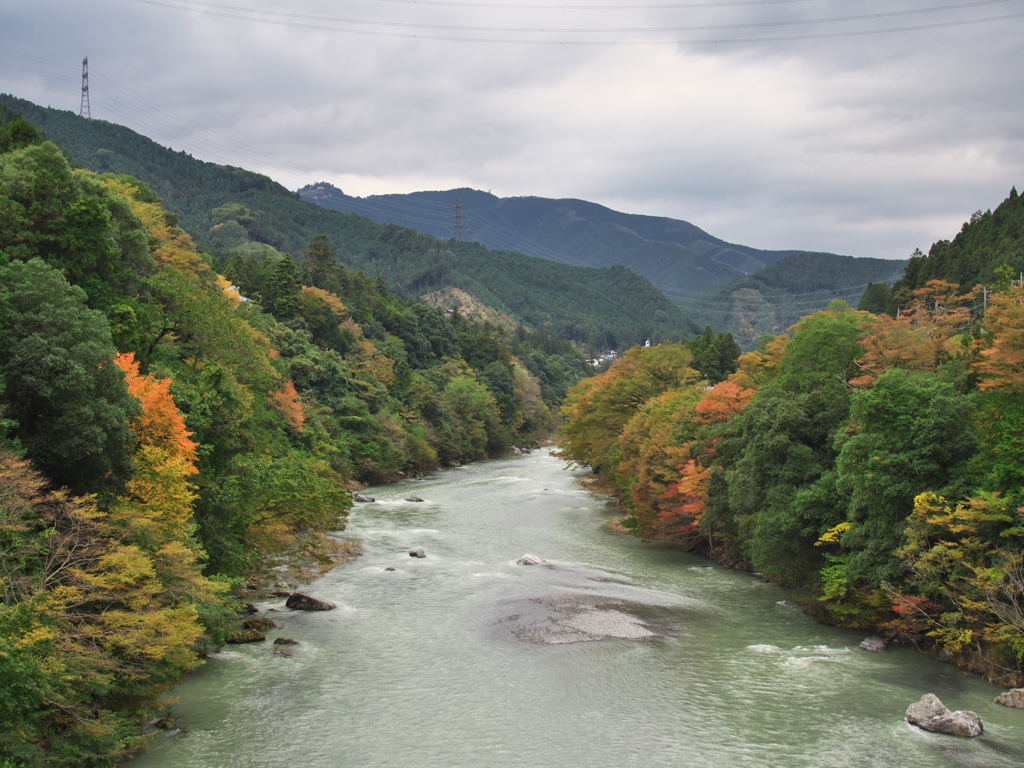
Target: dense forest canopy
(871, 461)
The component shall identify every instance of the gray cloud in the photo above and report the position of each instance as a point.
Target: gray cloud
(869, 145)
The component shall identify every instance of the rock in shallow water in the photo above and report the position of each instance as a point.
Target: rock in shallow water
(529, 559)
(417, 553)
(248, 636)
(930, 714)
(1011, 698)
(301, 602)
(579, 618)
(262, 623)
(873, 644)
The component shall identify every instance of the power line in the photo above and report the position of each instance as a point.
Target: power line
(280, 18)
(535, 7)
(413, 209)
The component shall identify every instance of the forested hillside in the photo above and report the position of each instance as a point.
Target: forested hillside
(988, 250)
(872, 462)
(671, 253)
(780, 294)
(164, 437)
(227, 209)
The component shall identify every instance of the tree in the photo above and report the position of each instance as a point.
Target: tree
(62, 387)
(780, 489)
(283, 295)
(66, 218)
(597, 410)
(320, 258)
(910, 433)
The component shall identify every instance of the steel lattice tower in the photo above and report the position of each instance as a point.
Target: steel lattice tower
(458, 219)
(85, 111)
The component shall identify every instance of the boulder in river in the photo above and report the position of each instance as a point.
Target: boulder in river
(285, 641)
(302, 602)
(248, 636)
(363, 498)
(262, 623)
(414, 498)
(529, 559)
(873, 644)
(930, 714)
(417, 553)
(1012, 698)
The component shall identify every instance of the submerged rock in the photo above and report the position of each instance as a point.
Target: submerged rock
(285, 641)
(1012, 698)
(414, 498)
(930, 714)
(529, 559)
(417, 553)
(873, 644)
(301, 602)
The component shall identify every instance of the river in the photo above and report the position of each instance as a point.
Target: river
(616, 652)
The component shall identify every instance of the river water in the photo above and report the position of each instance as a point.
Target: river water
(615, 652)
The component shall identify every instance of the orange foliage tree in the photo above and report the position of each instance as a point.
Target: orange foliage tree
(685, 500)
(286, 401)
(921, 338)
(1000, 367)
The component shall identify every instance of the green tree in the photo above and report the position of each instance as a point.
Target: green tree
(781, 488)
(909, 433)
(283, 296)
(62, 388)
(320, 258)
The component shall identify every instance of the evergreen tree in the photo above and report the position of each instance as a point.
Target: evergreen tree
(62, 388)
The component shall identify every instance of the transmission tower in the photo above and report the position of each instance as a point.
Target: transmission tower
(457, 225)
(85, 111)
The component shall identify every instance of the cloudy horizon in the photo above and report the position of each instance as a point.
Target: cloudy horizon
(861, 128)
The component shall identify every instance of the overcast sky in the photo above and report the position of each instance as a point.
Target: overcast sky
(861, 127)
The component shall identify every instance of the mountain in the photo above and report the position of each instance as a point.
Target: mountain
(675, 255)
(733, 288)
(227, 208)
(781, 293)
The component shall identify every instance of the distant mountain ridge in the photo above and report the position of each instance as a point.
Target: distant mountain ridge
(228, 209)
(675, 255)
